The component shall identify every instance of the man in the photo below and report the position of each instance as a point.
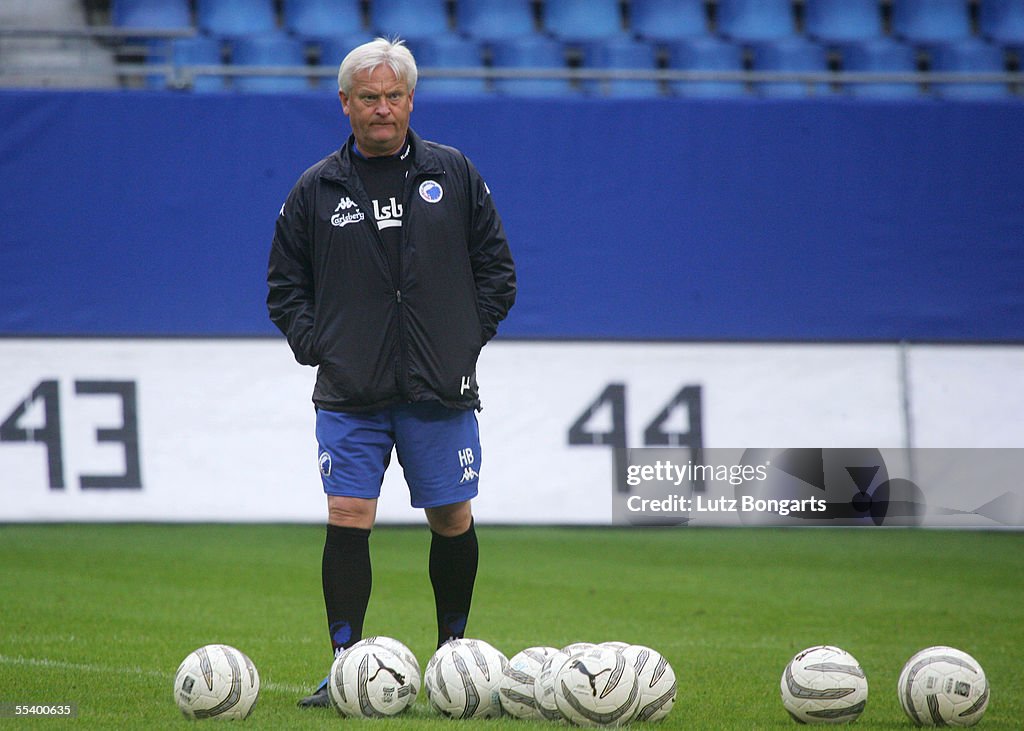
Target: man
(389, 271)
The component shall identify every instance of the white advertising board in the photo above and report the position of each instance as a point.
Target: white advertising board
(222, 430)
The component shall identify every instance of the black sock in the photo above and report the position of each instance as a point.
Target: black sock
(453, 563)
(346, 578)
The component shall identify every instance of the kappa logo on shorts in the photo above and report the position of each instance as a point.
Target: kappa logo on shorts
(325, 464)
(466, 459)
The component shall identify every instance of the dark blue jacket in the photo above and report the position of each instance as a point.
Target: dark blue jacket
(376, 341)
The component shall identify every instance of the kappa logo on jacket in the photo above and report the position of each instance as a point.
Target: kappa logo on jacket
(343, 215)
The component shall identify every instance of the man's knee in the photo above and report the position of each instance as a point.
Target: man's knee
(450, 520)
(351, 512)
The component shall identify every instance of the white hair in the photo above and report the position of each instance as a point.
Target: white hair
(378, 52)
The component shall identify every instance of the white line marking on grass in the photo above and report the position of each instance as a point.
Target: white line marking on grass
(45, 662)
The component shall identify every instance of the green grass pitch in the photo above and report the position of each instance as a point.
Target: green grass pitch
(101, 615)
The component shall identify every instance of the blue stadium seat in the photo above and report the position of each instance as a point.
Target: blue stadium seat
(448, 51)
(622, 54)
(332, 51)
(495, 20)
(842, 21)
(321, 18)
(790, 54)
(409, 18)
(150, 13)
(755, 20)
(231, 18)
(269, 49)
(969, 56)
(706, 54)
(195, 51)
(883, 55)
(582, 20)
(1002, 21)
(668, 20)
(531, 52)
(930, 21)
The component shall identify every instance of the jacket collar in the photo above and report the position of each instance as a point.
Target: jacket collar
(339, 166)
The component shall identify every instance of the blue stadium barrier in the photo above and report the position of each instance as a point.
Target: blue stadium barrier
(723, 219)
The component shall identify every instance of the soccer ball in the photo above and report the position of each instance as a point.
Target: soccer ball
(577, 647)
(462, 679)
(657, 682)
(369, 681)
(598, 687)
(518, 681)
(544, 686)
(216, 681)
(943, 686)
(615, 645)
(824, 684)
(412, 665)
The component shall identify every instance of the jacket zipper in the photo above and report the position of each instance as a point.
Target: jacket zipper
(403, 366)
(410, 184)
(400, 376)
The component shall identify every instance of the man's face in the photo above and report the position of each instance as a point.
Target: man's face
(378, 109)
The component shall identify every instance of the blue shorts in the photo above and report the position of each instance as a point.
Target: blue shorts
(438, 448)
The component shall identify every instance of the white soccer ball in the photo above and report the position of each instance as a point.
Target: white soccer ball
(824, 684)
(615, 645)
(598, 687)
(657, 682)
(216, 681)
(462, 679)
(544, 686)
(943, 686)
(412, 665)
(369, 681)
(573, 648)
(518, 681)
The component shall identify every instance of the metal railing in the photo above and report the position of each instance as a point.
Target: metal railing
(98, 32)
(182, 76)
